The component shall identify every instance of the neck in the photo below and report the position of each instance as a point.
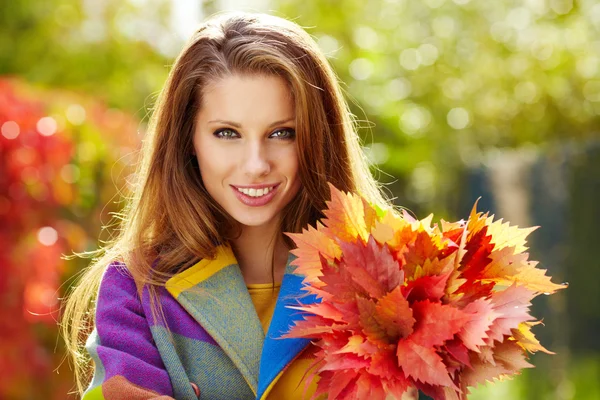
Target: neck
(261, 253)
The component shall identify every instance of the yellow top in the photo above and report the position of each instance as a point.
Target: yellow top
(264, 297)
(291, 384)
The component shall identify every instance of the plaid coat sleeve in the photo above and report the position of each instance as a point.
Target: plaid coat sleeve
(127, 363)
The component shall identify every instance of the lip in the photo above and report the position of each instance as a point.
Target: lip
(256, 186)
(255, 201)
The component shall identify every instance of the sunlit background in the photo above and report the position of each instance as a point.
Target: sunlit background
(455, 99)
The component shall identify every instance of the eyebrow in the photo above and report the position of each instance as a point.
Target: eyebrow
(238, 125)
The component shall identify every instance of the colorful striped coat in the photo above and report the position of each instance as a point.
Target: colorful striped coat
(216, 343)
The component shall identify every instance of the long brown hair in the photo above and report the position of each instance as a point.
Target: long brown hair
(170, 222)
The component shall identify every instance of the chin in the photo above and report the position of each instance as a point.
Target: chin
(244, 220)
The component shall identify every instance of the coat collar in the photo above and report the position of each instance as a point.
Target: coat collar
(215, 294)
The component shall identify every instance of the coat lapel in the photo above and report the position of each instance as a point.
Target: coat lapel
(215, 294)
(278, 353)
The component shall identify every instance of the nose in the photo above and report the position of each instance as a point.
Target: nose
(256, 160)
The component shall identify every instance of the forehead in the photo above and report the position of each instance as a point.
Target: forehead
(247, 98)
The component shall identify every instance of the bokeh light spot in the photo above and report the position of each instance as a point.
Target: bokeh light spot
(458, 118)
(542, 50)
(435, 3)
(47, 236)
(410, 59)
(526, 92)
(421, 186)
(444, 26)
(519, 18)
(329, 45)
(398, 89)
(361, 69)
(415, 120)
(453, 88)
(377, 153)
(429, 53)
(588, 66)
(47, 126)
(70, 173)
(365, 37)
(10, 130)
(561, 7)
(500, 32)
(594, 14)
(76, 114)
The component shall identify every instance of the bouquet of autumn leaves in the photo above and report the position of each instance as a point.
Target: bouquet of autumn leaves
(406, 304)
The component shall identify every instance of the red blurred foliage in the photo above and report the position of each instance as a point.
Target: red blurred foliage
(44, 214)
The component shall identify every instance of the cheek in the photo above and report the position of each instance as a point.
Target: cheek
(293, 171)
(291, 161)
(209, 165)
(209, 171)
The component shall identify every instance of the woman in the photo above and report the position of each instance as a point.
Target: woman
(190, 298)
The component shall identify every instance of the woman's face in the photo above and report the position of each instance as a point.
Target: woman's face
(245, 143)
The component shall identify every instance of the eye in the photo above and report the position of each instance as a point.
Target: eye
(226, 133)
(284, 133)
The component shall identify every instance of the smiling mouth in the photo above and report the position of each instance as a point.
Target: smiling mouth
(252, 192)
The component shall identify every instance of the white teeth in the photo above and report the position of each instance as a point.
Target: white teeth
(255, 192)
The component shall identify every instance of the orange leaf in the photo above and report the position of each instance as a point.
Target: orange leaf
(339, 283)
(477, 257)
(459, 351)
(508, 236)
(341, 362)
(526, 339)
(508, 267)
(345, 216)
(357, 345)
(385, 364)
(513, 306)
(509, 360)
(426, 288)
(311, 327)
(341, 383)
(393, 313)
(474, 331)
(422, 363)
(436, 323)
(369, 387)
(511, 355)
(423, 248)
(325, 309)
(311, 245)
(372, 329)
(371, 267)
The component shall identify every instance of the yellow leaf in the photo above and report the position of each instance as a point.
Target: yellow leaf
(526, 339)
(505, 235)
(345, 216)
(508, 267)
(310, 243)
(384, 229)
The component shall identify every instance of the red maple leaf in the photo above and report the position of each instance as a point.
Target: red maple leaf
(422, 363)
(436, 323)
(372, 267)
(407, 304)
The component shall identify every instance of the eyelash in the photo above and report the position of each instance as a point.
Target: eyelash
(292, 133)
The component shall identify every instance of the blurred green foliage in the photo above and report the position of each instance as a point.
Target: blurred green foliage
(439, 88)
(86, 46)
(445, 81)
